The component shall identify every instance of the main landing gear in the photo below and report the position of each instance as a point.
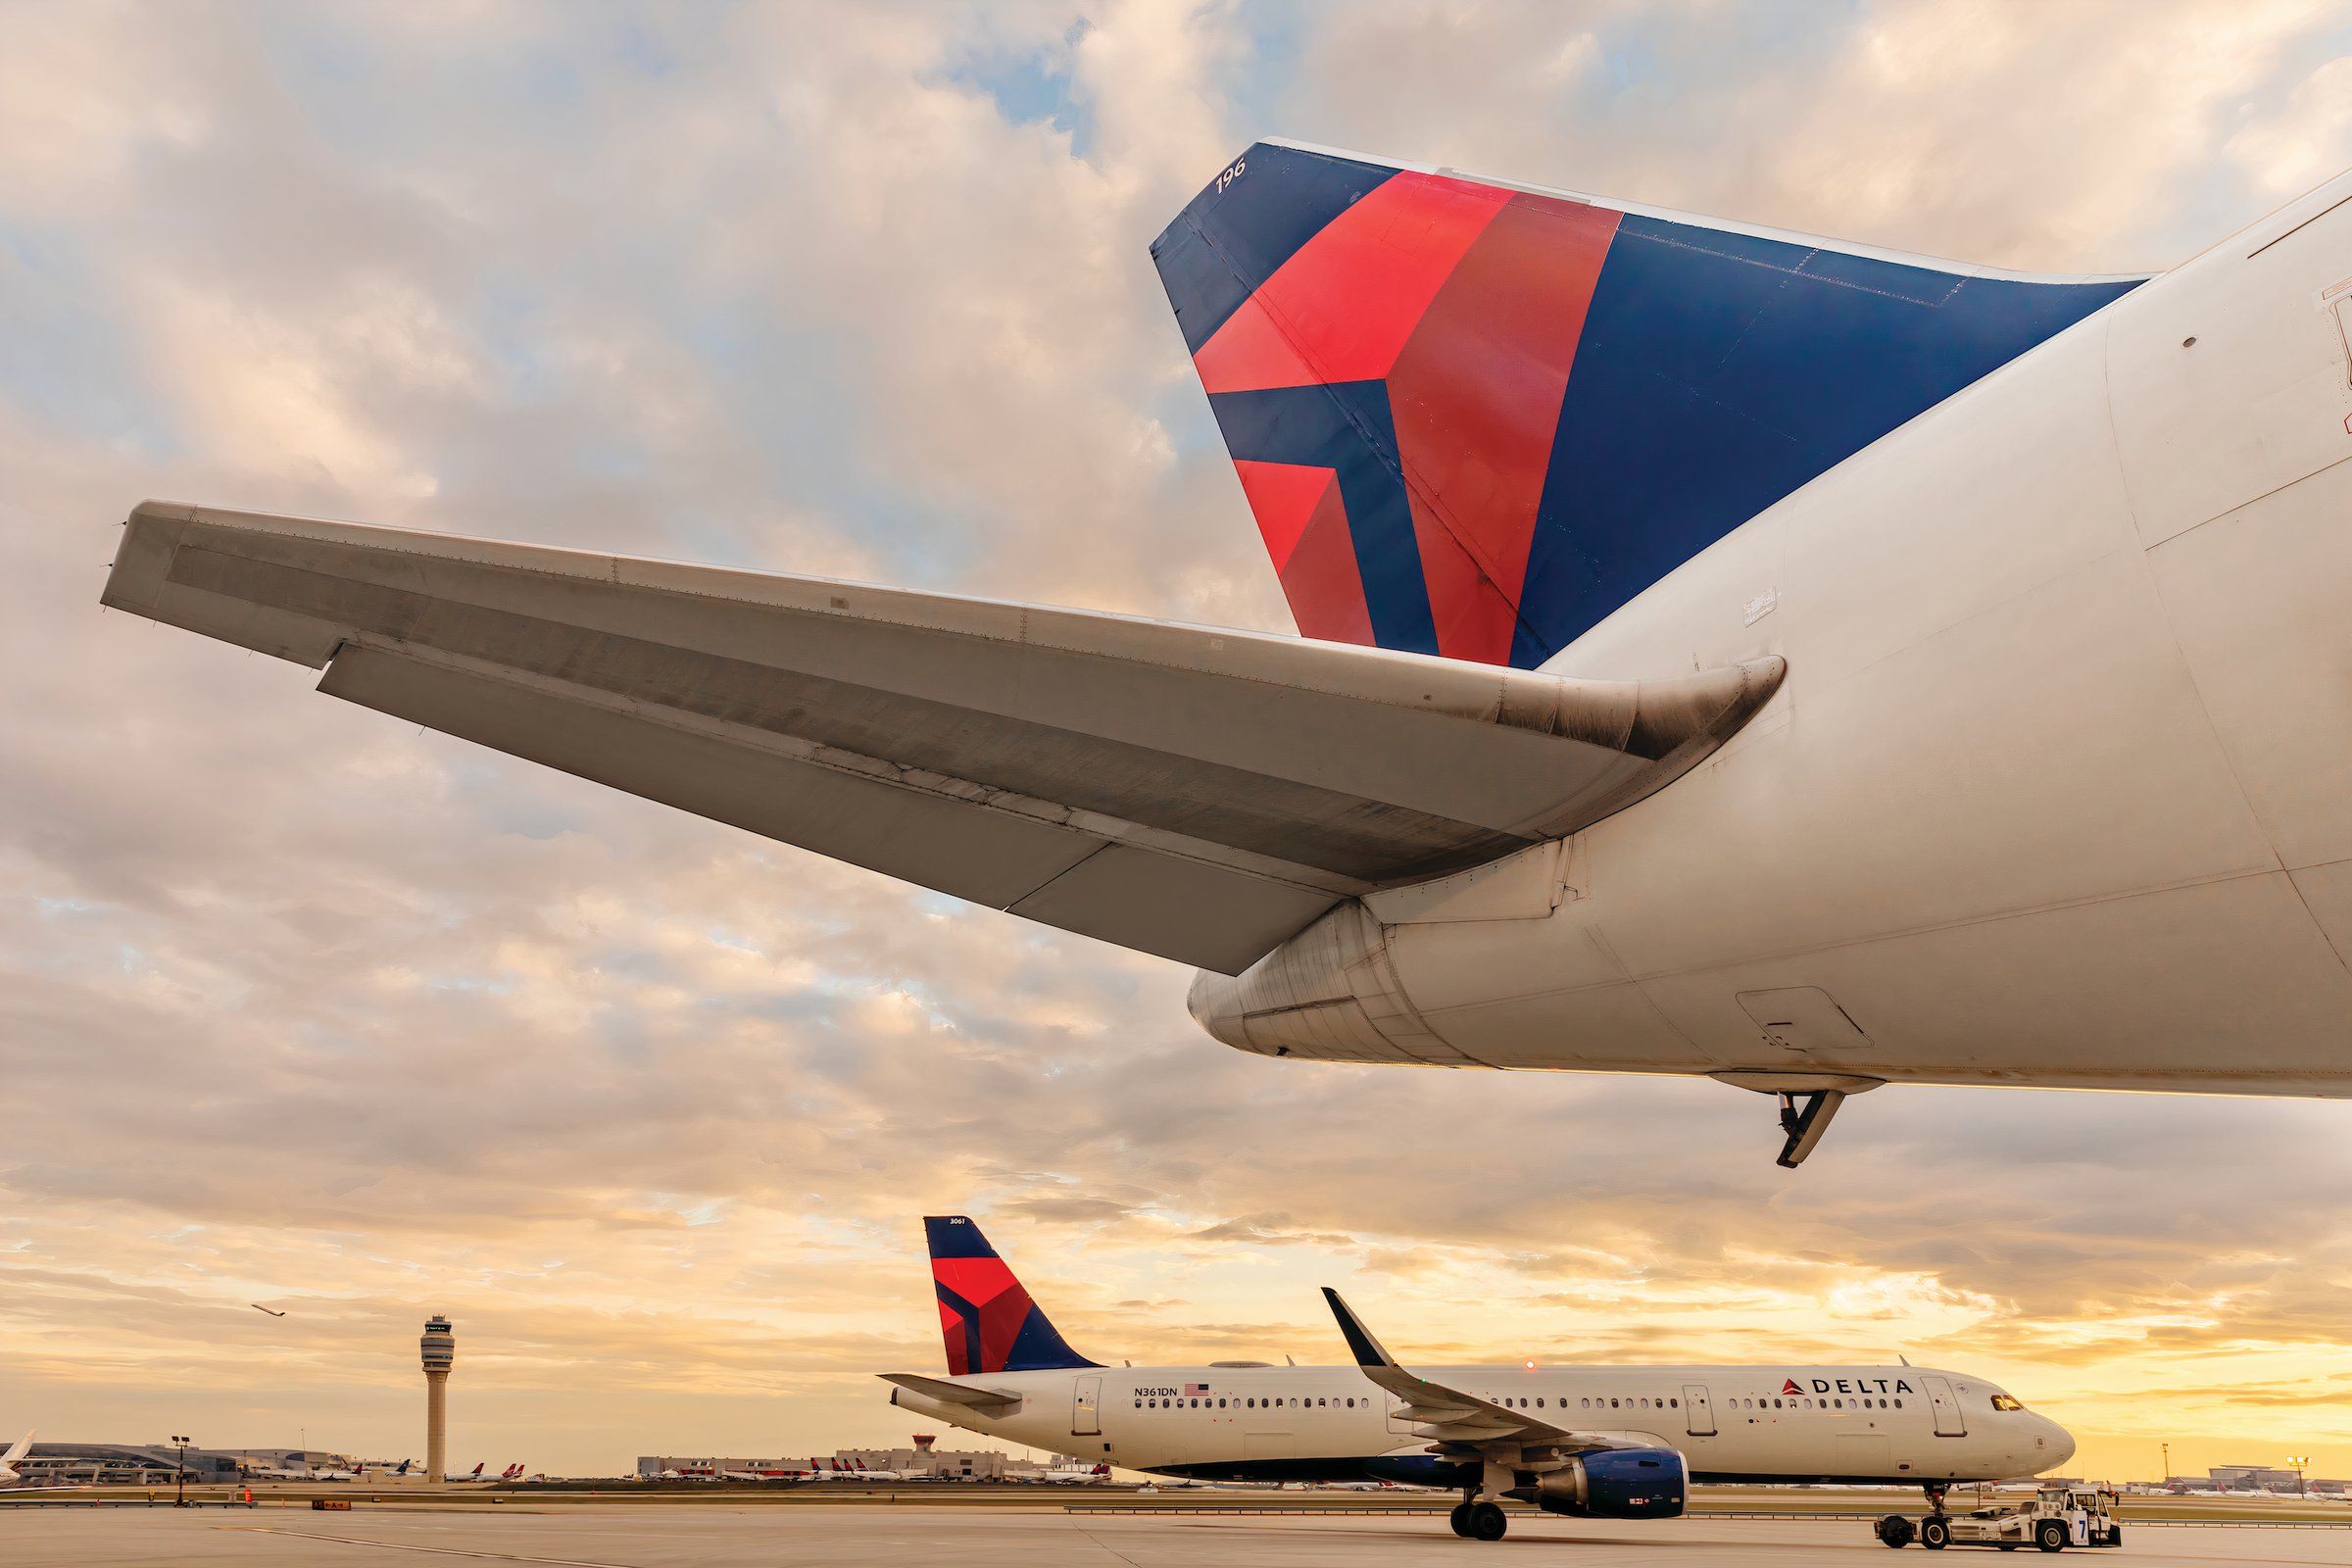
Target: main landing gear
(1479, 1521)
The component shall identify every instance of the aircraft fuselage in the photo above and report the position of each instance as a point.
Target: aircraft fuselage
(1898, 1424)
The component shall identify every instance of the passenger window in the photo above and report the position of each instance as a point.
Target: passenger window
(1898, 1405)
(1674, 1405)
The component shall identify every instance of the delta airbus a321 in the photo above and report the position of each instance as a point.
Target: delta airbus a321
(1724, 651)
(1595, 1442)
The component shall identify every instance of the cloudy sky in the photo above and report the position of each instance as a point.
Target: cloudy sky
(298, 1005)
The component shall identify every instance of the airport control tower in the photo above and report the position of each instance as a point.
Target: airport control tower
(439, 1347)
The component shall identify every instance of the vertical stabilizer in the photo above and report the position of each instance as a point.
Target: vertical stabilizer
(985, 1318)
(1474, 418)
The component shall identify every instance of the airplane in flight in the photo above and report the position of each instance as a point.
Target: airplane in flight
(1597, 1443)
(1724, 651)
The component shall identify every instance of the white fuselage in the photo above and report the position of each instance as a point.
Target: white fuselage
(2054, 791)
(1896, 1424)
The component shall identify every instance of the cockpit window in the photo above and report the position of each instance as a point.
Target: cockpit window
(2005, 1402)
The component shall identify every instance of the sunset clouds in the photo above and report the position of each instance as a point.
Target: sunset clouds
(298, 1005)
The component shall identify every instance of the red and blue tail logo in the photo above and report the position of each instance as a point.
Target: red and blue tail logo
(985, 1318)
(1473, 420)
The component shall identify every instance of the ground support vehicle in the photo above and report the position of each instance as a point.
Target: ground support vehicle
(2057, 1518)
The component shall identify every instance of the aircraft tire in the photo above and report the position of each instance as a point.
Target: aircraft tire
(1895, 1530)
(1934, 1534)
(2050, 1535)
(1487, 1522)
(1459, 1519)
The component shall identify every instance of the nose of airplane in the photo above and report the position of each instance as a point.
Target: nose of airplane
(2057, 1444)
(1215, 1003)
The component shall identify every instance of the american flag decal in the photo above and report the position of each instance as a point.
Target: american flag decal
(1191, 1389)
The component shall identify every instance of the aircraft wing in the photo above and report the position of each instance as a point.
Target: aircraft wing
(1184, 791)
(985, 1400)
(1449, 1415)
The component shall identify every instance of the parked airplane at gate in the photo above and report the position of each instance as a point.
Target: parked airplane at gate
(10, 1476)
(510, 1473)
(1774, 659)
(13, 1479)
(1604, 1442)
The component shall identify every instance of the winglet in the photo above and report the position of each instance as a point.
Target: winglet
(1433, 1409)
(1366, 1349)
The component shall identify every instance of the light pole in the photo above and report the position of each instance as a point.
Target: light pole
(2299, 1463)
(2168, 1467)
(179, 1474)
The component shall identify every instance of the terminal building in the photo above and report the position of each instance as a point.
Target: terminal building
(2254, 1478)
(932, 1463)
(126, 1463)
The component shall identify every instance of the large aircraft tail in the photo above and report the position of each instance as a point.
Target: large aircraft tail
(1474, 418)
(15, 1451)
(985, 1316)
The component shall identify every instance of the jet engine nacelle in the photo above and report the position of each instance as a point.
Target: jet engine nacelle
(1614, 1484)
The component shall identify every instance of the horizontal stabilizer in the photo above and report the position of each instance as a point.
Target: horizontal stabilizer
(988, 1401)
(1184, 791)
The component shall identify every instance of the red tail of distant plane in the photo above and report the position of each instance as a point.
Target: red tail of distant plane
(987, 1320)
